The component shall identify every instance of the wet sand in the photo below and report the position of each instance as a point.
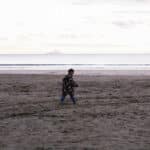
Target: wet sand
(112, 113)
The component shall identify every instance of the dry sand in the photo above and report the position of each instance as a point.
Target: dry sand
(112, 113)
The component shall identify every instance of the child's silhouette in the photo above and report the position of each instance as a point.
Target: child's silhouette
(68, 86)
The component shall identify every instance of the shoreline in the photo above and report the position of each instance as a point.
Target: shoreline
(80, 72)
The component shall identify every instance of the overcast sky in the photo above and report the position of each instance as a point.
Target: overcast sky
(75, 26)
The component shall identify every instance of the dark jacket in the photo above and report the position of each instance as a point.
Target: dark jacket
(68, 85)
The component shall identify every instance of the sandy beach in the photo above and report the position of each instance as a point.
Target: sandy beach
(112, 113)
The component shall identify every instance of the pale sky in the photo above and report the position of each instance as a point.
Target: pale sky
(74, 26)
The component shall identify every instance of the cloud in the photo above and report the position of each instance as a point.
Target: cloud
(89, 2)
(55, 51)
(81, 2)
(74, 24)
(126, 24)
(3, 38)
(68, 36)
(132, 12)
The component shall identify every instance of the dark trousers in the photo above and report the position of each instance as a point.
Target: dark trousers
(64, 94)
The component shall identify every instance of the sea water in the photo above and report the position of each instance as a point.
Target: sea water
(76, 61)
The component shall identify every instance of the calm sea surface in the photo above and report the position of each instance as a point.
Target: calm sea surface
(65, 61)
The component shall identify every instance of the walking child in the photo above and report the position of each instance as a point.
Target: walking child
(68, 86)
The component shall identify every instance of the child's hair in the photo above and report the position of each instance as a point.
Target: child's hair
(70, 70)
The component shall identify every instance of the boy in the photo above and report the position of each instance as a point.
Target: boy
(68, 86)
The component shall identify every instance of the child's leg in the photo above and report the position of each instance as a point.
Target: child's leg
(72, 98)
(63, 97)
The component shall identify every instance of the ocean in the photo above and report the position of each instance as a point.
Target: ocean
(76, 61)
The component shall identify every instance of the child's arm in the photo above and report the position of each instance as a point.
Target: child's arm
(75, 84)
